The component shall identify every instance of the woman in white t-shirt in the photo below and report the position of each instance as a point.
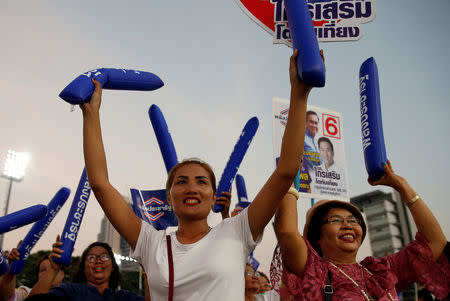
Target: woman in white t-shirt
(208, 262)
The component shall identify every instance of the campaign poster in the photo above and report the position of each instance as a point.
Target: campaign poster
(324, 170)
(333, 20)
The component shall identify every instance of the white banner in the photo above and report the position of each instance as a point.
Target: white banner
(324, 171)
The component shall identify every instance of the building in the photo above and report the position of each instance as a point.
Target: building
(118, 245)
(390, 225)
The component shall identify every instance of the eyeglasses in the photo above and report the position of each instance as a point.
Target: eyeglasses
(251, 274)
(339, 220)
(93, 258)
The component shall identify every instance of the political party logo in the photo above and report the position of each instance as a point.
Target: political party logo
(333, 20)
(283, 116)
(155, 208)
(152, 207)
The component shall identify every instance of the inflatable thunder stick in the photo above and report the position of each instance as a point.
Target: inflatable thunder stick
(81, 88)
(38, 229)
(22, 217)
(371, 123)
(236, 158)
(163, 136)
(3, 264)
(241, 192)
(74, 219)
(311, 68)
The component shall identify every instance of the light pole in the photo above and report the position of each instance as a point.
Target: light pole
(14, 170)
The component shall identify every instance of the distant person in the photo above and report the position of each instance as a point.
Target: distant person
(208, 263)
(96, 278)
(327, 175)
(8, 290)
(252, 285)
(322, 263)
(266, 292)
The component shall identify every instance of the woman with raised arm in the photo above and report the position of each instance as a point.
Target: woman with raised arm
(208, 263)
(322, 263)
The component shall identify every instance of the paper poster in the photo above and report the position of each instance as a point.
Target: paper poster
(324, 169)
(333, 20)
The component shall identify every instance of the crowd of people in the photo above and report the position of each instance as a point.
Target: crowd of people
(200, 262)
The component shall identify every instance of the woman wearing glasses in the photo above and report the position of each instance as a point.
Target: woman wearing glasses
(322, 263)
(252, 285)
(97, 278)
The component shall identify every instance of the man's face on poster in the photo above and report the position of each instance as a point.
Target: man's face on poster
(312, 124)
(326, 153)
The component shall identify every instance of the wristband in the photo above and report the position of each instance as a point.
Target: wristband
(294, 192)
(413, 200)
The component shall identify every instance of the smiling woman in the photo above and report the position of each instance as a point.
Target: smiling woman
(322, 263)
(196, 262)
(96, 278)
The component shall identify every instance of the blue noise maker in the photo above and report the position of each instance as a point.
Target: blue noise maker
(163, 136)
(152, 207)
(241, 192)
(38, 230)
(81, 88)
(236, 158)
(311, 68)
(22, 217)
(74, 219)
(371, 123)
(3, 264)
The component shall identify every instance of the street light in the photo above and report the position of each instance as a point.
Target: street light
(14, 170)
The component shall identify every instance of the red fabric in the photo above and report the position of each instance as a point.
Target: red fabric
(170, 259)
(390, 274)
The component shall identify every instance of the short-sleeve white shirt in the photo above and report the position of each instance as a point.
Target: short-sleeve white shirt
(209, 269)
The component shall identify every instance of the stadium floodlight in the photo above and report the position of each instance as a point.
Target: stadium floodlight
(14, 170)
(15, 165)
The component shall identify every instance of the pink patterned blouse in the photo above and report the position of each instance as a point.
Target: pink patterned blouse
(388, 275)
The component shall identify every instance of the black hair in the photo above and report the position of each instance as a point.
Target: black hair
(325, 139)
(312, 113)
(316, 225)
(115, 277)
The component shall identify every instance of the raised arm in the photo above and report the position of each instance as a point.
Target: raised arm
(267, 200)
(293, 248)
(7, 280)
(114, 205)
(424, 219)
(45, 281)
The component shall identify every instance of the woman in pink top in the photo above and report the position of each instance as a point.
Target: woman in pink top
(322, 263)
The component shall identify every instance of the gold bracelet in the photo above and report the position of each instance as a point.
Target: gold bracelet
(413, 200)
(294, 192)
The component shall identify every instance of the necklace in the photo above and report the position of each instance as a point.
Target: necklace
(202, 234)
(363, 292)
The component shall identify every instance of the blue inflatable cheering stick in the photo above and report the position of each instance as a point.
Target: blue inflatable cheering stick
(16, 220)
(38, 230)
(81, 88)
(3, 264)
(22, 217)
(163, 136)
(371, 122)
(241, 192)
(236, 157)
(74, 219)
(311, 68)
